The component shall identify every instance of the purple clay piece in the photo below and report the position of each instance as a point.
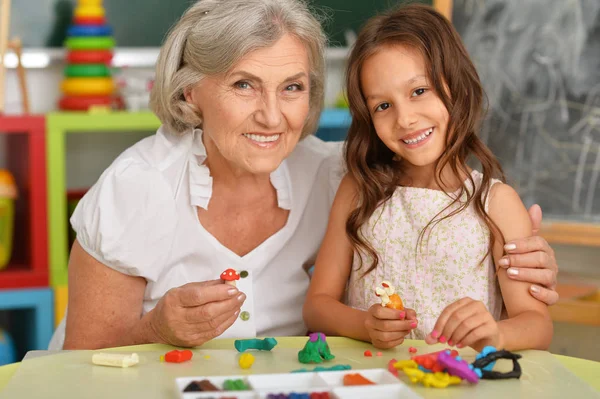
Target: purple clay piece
(315, 336)
(458, 368)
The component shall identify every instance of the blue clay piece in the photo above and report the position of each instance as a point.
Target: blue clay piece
(266, 344)
(337, 367)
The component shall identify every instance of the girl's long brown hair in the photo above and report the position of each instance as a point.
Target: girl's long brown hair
(453, 77)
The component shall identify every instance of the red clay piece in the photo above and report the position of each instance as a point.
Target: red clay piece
(379, 354)
(391, 367)
(412, 349)
(177, 356)
(368, 353)
(356, 379)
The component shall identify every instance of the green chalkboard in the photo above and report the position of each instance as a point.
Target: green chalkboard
(144, 23)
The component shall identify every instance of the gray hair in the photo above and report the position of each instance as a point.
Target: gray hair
(212, 35)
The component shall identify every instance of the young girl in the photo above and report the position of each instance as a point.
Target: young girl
(411, 212)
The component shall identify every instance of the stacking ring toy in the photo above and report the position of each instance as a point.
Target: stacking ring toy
(89, 30)
(89, 56)
(89, 21)
(89, 11)
(83, 103)
(87, 70)
(87, 86)
(92, 3)
(90, 42)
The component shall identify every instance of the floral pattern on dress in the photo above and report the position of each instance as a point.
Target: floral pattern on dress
(447, 266)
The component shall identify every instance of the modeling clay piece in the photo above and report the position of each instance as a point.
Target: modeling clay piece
(230, 276)
(459, 368)
(356, 379)
(379, 354)
(486, 351)
(176, 356)
(319, 395)
(115, 359)
(391, 367)
(201, 386)
(405, 364)
(266, 344)
(440, 380)
(337, 367)
(412, 349)
(389, 298)
(234, 385)
(246, 360)
(368, 353)
(315, 350)
(482, 363)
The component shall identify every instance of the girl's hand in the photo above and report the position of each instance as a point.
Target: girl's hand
(466, 322)
(195, 313)
(388, 327)
(531, 259)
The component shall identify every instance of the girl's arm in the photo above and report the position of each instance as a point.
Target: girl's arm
(529, 325)
(323, 310)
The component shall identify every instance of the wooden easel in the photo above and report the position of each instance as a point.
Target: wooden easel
(15, 45)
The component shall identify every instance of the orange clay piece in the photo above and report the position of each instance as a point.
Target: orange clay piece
(395, 302)
(356, 379)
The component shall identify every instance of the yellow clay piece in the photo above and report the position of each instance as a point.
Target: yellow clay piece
(246, 360)
(405, 364)
(440, 380)
(414, 375)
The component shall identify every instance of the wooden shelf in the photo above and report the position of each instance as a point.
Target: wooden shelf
(559, 232)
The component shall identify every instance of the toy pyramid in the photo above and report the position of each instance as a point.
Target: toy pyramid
(88, 81)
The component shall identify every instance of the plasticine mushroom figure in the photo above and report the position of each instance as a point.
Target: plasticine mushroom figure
(229, 276)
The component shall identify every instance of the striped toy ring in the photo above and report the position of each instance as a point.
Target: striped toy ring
(83, 103)
(89, 21)
(89, 11)
(91, 43)
(89, 30)
(87, 86)
(87, 70)
(89, 57)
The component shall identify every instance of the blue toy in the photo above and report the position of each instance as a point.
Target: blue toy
(7, 349)
(89, 30)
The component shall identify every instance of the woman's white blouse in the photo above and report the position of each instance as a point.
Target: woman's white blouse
(140, 219)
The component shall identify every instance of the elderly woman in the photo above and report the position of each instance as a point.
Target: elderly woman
(233, 179)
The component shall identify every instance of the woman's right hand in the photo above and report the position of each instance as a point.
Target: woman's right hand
(388, 327)
(195, 313)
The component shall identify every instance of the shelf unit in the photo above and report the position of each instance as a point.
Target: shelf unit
(26, 159)
(59, 124)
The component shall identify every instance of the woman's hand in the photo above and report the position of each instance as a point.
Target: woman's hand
(195, 313)
(388, 327)
(532, 260)
(466, 322)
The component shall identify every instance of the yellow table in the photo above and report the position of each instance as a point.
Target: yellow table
(222, 352)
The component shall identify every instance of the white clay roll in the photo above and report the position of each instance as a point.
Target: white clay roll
(115, 359)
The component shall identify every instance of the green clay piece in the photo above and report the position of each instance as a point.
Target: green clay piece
(260, 344)
(316, 350)
(243, 274)
(337, 367)
(234, 385)
(245, 316)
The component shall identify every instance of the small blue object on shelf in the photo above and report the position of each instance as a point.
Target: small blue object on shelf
(334, 124)
(8, 353)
